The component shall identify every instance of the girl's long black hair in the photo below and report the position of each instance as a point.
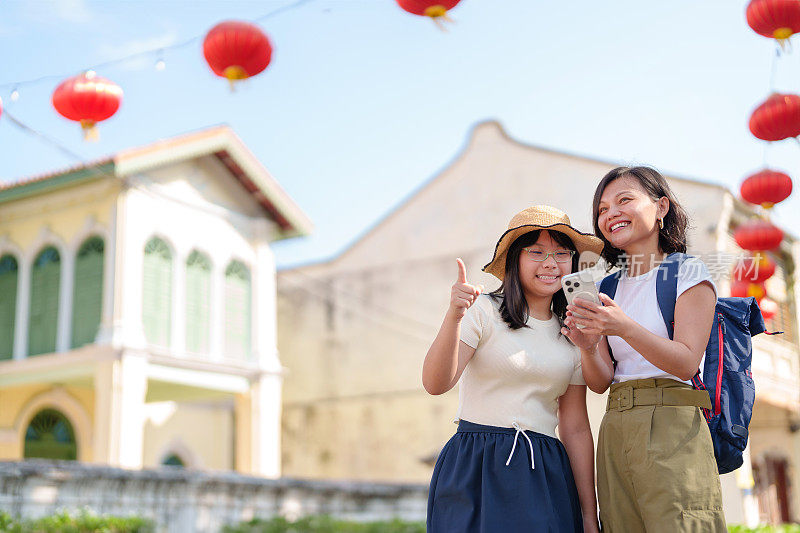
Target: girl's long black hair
(513, 305)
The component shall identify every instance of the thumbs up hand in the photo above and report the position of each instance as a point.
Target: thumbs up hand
(463, 295)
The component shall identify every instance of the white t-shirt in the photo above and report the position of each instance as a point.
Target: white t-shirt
(515, 376)
(637, 297)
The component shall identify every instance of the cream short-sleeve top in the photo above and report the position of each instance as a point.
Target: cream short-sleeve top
(515, 376)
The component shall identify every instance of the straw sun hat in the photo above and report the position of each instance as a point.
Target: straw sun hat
(539, 217)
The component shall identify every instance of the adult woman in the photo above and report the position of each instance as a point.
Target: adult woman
(521, 377)
(655, 460)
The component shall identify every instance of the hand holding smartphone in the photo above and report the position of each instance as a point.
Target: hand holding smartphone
(580, 285)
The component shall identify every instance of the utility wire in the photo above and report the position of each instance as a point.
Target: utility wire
(49, 140)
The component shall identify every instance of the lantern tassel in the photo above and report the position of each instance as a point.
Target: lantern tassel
(235, 73)
(439, 23)
(782, 35)
(438, 14)
(90, 133)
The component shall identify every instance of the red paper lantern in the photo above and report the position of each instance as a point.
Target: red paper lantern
(766, 188)
(768, 308)
(775, 19)
(237, 50)
(87, 99)
(743, 289)
(754, 270)
(435, 9)
(758, 235)
(777, 118)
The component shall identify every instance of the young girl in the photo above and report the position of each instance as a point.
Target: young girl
(655, 460)
(504, 470)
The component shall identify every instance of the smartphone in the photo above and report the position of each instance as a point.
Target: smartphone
(580, 285)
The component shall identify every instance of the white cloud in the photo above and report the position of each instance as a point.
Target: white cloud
(76, 11)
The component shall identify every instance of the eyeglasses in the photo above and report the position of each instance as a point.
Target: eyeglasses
(539, 256)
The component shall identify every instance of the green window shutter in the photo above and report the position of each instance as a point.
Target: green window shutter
(50, 436)
(43, 317)
(157, 292)
(9, 275)
(198, 302)
(173, 460)
(237, 311)
(87, 296)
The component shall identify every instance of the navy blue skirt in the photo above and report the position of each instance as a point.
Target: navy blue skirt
(472, 489)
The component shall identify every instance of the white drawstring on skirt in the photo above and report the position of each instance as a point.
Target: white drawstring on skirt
(514, 447)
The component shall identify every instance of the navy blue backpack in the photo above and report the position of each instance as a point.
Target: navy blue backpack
(726, 373)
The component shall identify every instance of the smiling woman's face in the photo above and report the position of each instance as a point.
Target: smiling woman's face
(543, 278)
(626, 213)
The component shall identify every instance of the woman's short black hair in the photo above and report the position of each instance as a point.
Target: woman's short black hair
(672, 238)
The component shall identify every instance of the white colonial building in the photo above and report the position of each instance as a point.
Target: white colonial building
(137, 309)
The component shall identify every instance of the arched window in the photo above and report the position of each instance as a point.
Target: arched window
(173, 460)
(43, 318)
(50, 436)
(87, 296)
(157, 292)
(9, 275)
(198, 302)
(237, 311)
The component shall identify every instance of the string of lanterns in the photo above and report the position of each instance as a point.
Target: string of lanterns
(776, 119)
(235, 50)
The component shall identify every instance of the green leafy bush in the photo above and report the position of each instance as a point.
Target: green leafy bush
(784, 528)
(84, 522)
(324, 524)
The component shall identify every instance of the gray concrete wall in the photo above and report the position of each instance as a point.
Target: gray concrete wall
(184, 501)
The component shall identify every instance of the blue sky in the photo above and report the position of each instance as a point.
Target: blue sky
(363, 103)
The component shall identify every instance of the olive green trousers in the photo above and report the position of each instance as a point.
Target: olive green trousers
(656, 470)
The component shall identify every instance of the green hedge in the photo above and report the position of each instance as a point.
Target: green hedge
(785, 528)
(324, 524)
(327, 524)
(87, 522)
(84, 522)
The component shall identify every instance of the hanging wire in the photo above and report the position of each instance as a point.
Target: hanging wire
(281, 9)
(93, 168)
(773, 69)
(49, 140)
(154, 51)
